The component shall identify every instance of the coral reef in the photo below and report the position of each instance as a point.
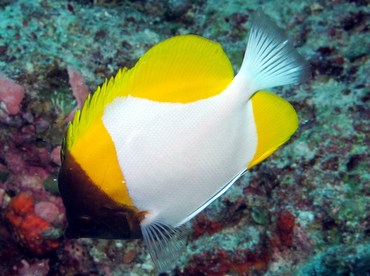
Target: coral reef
(32, 224)
(11, 94)
(289, 215)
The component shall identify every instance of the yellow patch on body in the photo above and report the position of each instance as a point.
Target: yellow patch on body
(95, 150)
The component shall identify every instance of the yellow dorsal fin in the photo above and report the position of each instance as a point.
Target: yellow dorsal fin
(181, 69)
(94, 106)
(276, 121)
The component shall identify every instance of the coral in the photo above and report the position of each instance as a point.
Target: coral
(47, 211)
(11, 94)
(55, 155)
(2, 195)
(30, 230)
(79, 89)
(285, 223)
(2, 192)
(38, 268)
(241, 262)
(202, 225)
(339, 260)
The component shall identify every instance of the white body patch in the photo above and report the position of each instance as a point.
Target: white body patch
(175, 157)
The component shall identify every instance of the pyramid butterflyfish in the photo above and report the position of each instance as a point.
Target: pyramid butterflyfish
(159, 142)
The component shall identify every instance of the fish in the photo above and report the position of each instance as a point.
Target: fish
(156, 144)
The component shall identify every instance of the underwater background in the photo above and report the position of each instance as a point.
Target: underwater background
(303, 211)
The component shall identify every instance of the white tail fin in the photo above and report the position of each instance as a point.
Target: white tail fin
(270, 59)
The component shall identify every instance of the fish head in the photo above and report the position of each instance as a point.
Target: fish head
(90, 212)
